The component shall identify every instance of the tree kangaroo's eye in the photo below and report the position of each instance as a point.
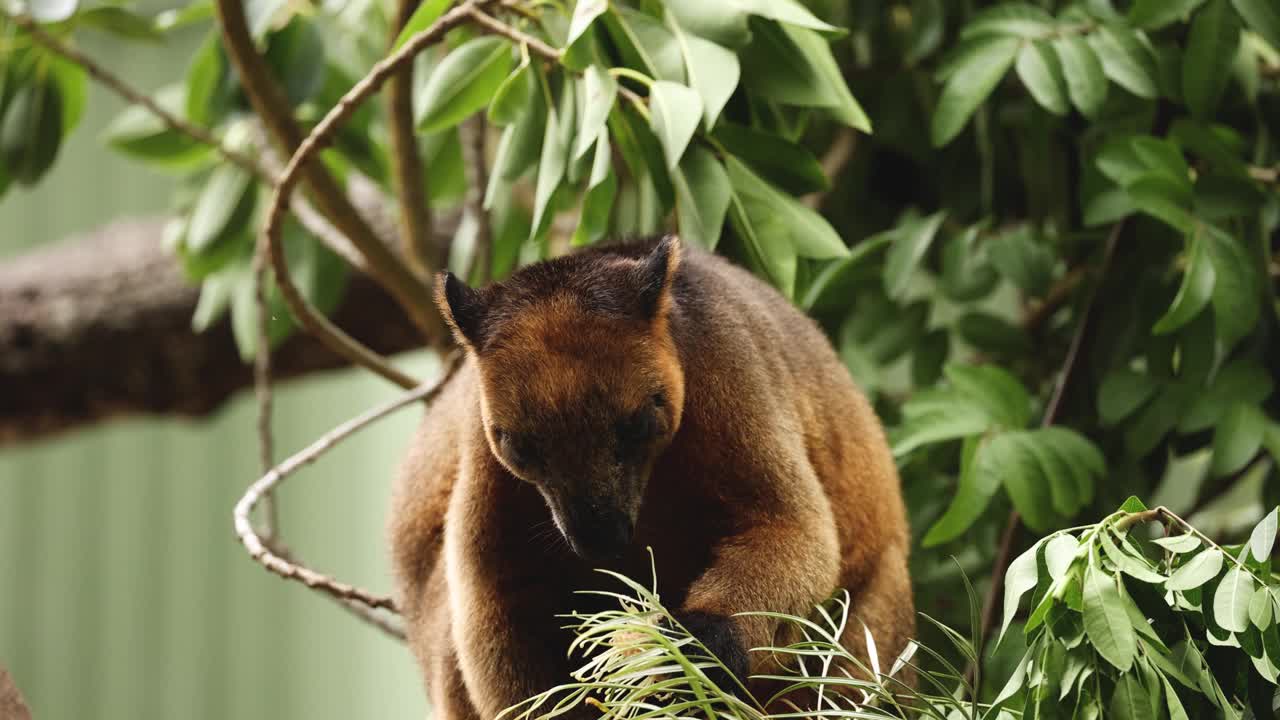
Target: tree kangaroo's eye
(659, 400)
(511, 448)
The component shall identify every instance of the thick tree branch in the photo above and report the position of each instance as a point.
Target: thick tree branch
(12, 706)
(270, 104)
(411, 184)
(100, 326)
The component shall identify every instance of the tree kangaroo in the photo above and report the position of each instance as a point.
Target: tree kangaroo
(631, 396)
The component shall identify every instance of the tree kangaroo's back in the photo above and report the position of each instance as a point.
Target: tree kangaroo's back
(637, 395)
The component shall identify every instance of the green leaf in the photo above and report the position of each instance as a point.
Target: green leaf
(602, 189)
(1062, 550)
(703, 193)
(1178, 543)
(31, 131)
(1262, 539)
(911, 243)
(788, 165)
(1263, 16)
(837, 283)
(675, 110)
(646, 43)
(295, 54)
(995, 390)
(1134, 567)
(1078, 455)
(794, 66)
(1153, 14)
(1261, 609)
(1164, 199)
(1196, 289)
(52, 11)
(969, 85)
(512, 98)
(993, 334)
(1197, 571)
(225, 204)
(973, 493)
(790, 12)
(1105, 621)
(1237, 438)
(721, 23)
(1163, 157)
(938, 425)
(427, 13)
(1131, 701)
(1011, 18)
(1086, 81)
(120, 22)
(1240, 381)
(584, 13)
(137, 132)
(466, 80)
(762, 230)
(1122, 392)
(1021, 577)
(966, 274)
(553, 158)
(929, 357)
(1231, 601)
(600, 91)
(1211, 46)
(1040, 70)
(1011, 458)
(809, 233)
(713, 71)
(1237, 285)
(1125, 60)
(1024, 259)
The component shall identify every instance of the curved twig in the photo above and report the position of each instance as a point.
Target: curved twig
(313, 321)
(254, 543)
(269, 103)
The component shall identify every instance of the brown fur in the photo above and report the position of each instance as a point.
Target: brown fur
(769, 481)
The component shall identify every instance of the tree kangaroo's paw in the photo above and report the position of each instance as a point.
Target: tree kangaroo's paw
(722, 636)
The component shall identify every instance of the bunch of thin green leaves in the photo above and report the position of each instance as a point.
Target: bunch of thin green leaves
(639, 662)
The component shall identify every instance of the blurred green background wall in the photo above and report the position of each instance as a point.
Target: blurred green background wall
(123, 593)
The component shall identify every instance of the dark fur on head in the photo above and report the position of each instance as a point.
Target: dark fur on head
(578, 346)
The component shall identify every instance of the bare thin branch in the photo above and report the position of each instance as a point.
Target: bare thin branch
(254, 543)
(1069, 364)
(312, 320)
(474, 132)
(417, 240)
(124, 90)
(834, 161)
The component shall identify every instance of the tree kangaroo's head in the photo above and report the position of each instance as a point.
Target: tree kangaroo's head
(581, 384)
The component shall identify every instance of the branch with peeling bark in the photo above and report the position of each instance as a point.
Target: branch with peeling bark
(98, 326)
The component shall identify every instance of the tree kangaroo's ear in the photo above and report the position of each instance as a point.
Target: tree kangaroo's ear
(462, 307)
(656, 273)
